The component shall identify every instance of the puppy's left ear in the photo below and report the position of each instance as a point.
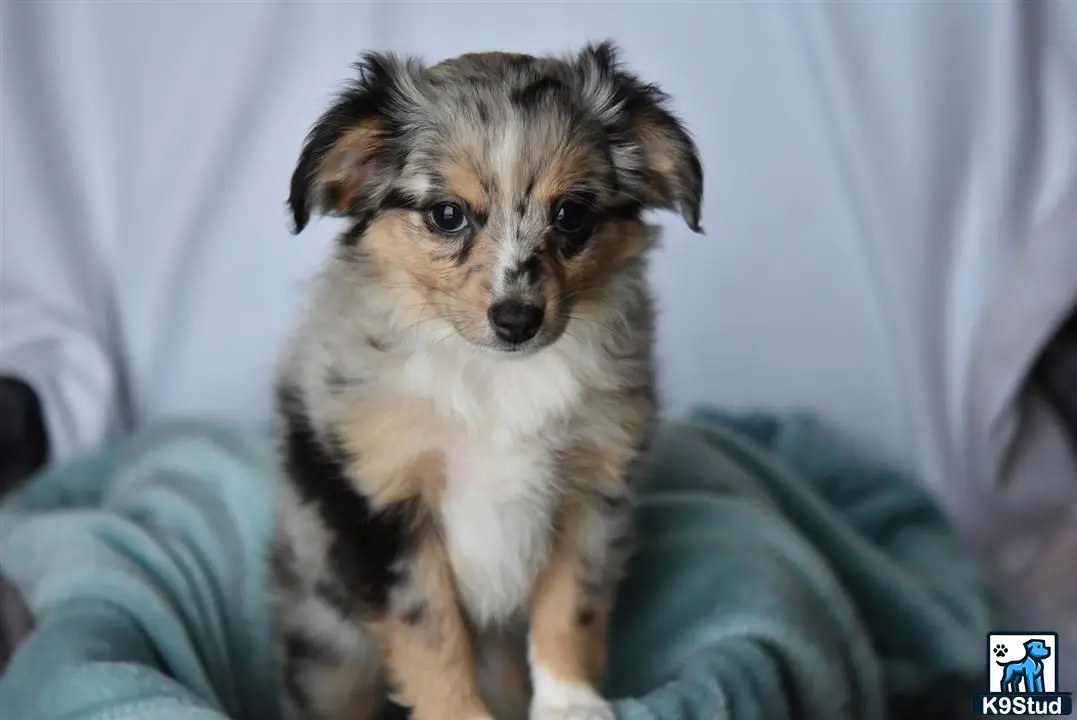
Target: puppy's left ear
(654, 156)
(353, 152)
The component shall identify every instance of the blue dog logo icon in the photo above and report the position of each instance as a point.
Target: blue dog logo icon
(1027, 686)
(1027, 671)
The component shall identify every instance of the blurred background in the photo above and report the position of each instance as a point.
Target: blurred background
(890, 215)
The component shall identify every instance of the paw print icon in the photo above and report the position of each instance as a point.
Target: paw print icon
(999, 650)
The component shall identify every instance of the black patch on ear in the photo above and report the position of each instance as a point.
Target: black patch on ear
(375, 97)
(639, 122)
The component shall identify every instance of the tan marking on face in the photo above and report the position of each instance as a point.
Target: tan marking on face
(421, 272)
(464, 182)
(566, 169)
(342, 170)
(615, 244)
(392, 460)
(584, 277)
(430, 664)
(568, 650)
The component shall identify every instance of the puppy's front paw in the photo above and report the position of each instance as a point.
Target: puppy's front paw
(601, 711)
(570, 703)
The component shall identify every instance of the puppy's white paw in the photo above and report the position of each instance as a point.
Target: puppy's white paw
(567, 702)
(595, 711)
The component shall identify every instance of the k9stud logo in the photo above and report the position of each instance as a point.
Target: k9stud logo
(1022, 669)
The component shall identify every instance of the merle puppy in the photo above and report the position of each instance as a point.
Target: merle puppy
(470, 393)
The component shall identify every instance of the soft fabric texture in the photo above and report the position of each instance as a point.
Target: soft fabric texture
(778, 577)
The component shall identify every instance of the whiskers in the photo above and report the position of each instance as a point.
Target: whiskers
(461, 323)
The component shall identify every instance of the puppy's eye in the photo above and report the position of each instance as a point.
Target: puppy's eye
(571, 216)
(447, 217)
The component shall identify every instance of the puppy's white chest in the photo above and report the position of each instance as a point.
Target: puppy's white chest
(495, 513)
(496, 398)
(498, 421)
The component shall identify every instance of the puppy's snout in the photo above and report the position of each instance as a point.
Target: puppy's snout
(514, 321)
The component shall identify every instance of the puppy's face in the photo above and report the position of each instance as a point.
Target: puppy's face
(500, 193)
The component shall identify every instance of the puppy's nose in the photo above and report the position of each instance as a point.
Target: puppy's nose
(514, 321)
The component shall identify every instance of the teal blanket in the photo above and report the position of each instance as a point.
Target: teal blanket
(779, 577)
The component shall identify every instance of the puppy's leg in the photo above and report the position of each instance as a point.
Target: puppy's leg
(421, 632)
(574, 595)
(330, 680)
(367, 590)
(425, 642)
(328, 665)
(571, 608)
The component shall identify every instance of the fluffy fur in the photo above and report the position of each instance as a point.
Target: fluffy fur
(466, 402)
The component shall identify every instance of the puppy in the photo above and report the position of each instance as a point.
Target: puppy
(471, 391)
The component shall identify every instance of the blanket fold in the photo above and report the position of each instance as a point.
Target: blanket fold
(779, 576)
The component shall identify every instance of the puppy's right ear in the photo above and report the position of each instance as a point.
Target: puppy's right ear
(352, 154)
(655, 157)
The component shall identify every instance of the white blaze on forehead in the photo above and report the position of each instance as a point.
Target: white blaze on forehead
(506, 154)
(506, 157)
